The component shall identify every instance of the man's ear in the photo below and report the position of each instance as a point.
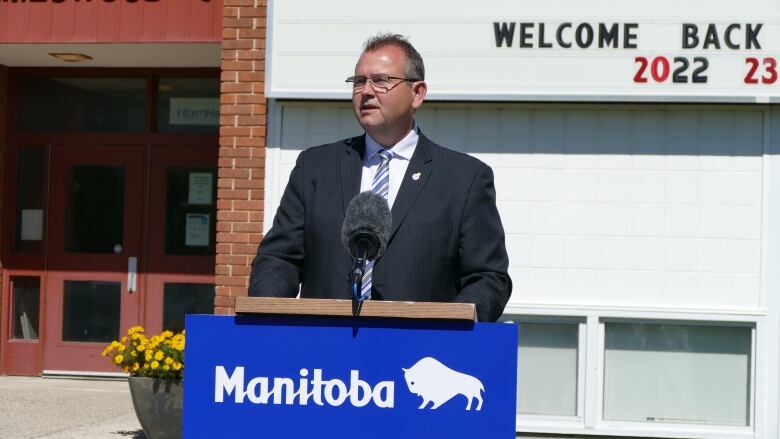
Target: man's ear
(420, 89)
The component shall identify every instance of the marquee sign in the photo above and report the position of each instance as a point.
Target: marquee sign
(566, 50)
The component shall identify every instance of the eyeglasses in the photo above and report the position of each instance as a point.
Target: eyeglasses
(380, 82)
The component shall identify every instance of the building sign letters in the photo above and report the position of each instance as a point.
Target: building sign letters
(655, 68)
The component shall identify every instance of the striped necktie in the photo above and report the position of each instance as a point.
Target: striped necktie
(381, 187)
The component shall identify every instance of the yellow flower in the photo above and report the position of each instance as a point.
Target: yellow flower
(148, 355)
(159, 355)
(166, 368)
(168, 360)
(141, 348)
(176, 365)
(136, 367)
(121, 348)
(118, 359)
(155, 364)
(126, 369)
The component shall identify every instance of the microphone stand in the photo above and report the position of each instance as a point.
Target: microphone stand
(358, 269)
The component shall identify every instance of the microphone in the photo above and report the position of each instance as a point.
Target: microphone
(365, 232)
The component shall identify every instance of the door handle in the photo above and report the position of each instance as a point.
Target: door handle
(132, 271)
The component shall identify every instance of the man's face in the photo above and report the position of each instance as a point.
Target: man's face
(386, 116)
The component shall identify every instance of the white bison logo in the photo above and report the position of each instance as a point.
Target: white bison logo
(433, 381)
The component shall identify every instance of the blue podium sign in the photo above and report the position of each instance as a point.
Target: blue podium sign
(321, 377)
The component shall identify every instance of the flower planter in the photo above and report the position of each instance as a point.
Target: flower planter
(157, 404)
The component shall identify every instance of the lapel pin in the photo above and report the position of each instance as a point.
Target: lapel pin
(416, 176)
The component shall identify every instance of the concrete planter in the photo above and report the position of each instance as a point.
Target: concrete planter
(157, 404)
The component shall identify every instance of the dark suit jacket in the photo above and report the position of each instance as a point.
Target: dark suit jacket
(446, 243)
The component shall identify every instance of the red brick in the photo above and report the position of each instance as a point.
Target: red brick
(227, 142)
(238, 2)
(252, 33)
(236, 152)
(254, 54)
(232, 260)
(236, 87)
(247, 205)
(247, 227)
(237, 65)
(235, 109)
(248, 163)
(230, 280)
(224, 249)
(258, 152)
(252, 12)
(229, 34)
(250, 141)
(255, 120)
(237, 23)
(244, 249)
(232, 194)
(256, 217)
(227, 99)
(227, 215)
(241, 270)
(237, 291)
(238, 44)
(235, 131)
(251, 76)
(222, 270)
(248, 184)
(228, 76)
(228, 120)
(258, 131)
(234, 173)
(224, 204)
(224, 311)
(231, 54)
(224, 301)
(252, 99)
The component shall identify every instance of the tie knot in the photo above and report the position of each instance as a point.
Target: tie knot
(385, 155)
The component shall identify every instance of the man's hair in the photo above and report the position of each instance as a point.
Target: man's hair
(414, 68)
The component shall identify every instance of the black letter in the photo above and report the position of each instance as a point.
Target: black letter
(608, 37)
(541, 37)
(588, 31)
(504, 34)
(629, 39)
(727, 36)
(559, 35)
(690, 38)
(525, 36)
(751, 37)
(711, 37)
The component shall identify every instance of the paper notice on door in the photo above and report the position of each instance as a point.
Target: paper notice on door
(197, 230)
(32, 224)
(201, 184)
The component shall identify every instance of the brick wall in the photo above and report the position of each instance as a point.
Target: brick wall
(242, 135)
(3, 134)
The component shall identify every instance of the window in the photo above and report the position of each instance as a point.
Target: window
(547, 368)
(680, 373)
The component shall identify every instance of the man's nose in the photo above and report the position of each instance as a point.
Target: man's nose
(367, 89)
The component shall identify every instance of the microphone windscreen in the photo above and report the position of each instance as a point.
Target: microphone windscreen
(369, 213)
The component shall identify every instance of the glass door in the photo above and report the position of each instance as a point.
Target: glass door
(94, 250)
(182, 235)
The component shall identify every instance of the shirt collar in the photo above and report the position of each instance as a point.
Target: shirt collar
(404, 149)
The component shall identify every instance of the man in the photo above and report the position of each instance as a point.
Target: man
(446, 242)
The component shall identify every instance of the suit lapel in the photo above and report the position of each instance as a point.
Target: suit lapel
(417, 174)
(351, 169)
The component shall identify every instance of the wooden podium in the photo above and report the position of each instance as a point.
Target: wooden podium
(346, 308)
(303, 368)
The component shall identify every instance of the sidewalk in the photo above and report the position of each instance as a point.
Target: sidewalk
(48, 408)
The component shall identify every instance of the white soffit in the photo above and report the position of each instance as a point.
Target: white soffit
(113, 55)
